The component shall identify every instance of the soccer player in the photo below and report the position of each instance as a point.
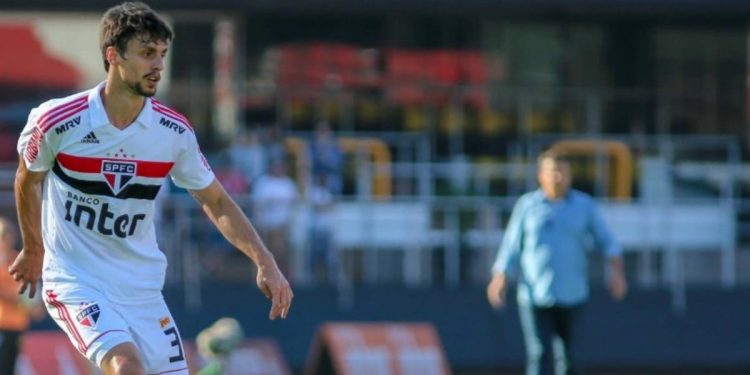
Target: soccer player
(102, 155)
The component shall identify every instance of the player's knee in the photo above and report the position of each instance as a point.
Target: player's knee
(129, 367)
(123, 359)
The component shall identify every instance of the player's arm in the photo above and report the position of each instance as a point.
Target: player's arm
(618, 284)
(237, 229)
(507, 259)
(606, 242)
(27, 268)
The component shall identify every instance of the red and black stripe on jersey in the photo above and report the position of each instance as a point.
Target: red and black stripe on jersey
(93, 166)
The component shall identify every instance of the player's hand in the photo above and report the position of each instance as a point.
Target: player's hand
(27, 270)
(496, 291)
(274, 285)
(618, 286)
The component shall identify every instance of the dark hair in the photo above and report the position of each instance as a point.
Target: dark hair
(128, 20)
(553, 155)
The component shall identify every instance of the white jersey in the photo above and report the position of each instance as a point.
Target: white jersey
(98, 198)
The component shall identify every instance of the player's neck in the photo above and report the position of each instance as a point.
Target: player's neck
(122, 106)
(555, 195)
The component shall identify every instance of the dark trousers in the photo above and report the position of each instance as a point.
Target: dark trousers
(9, 345)
(551, 335)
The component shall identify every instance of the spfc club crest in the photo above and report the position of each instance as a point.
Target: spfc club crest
(88, 315)
(118, 174)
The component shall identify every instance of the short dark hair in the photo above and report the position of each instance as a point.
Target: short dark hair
(553, 155)
(128, 20)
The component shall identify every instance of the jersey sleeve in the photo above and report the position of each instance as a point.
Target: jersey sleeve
(191, 170)
(508, 257)
(35, 145)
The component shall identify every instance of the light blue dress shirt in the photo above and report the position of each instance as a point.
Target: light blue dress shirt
(545, 246)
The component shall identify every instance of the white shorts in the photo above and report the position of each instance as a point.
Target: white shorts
(95, 325)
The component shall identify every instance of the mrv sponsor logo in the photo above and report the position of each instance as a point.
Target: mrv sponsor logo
(68, 124)
(171, 125)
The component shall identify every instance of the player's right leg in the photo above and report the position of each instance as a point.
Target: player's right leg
(95, 327)
(123, 359)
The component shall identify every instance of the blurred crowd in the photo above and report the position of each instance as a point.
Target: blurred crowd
(256, 169)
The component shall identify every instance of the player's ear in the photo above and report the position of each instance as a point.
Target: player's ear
(112, 55)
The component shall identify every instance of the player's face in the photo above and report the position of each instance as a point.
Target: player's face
(554, 178)
(141, 65)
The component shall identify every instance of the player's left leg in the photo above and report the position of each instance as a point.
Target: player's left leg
(157, 337)
(123, 359)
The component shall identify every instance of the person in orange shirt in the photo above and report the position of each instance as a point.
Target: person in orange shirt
(16, 311)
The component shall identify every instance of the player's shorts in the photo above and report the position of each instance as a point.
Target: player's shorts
(95, 324)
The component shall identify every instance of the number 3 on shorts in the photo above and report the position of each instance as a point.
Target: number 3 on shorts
(176, 342)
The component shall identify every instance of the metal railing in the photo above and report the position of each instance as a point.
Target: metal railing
(461, 233)
(455, 245)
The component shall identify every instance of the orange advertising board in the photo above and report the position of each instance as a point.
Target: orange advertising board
(49, 353)
(377, 348)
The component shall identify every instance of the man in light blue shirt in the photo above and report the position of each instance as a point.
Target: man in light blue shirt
(544, 248)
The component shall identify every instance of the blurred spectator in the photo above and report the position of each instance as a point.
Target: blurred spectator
(274, 144)
(7, 145)
(326, 158)
(230, 176)
(15, 310)
(217, 257)
(248, 155)
(544, 246)
(323, 257)
(273, 196)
